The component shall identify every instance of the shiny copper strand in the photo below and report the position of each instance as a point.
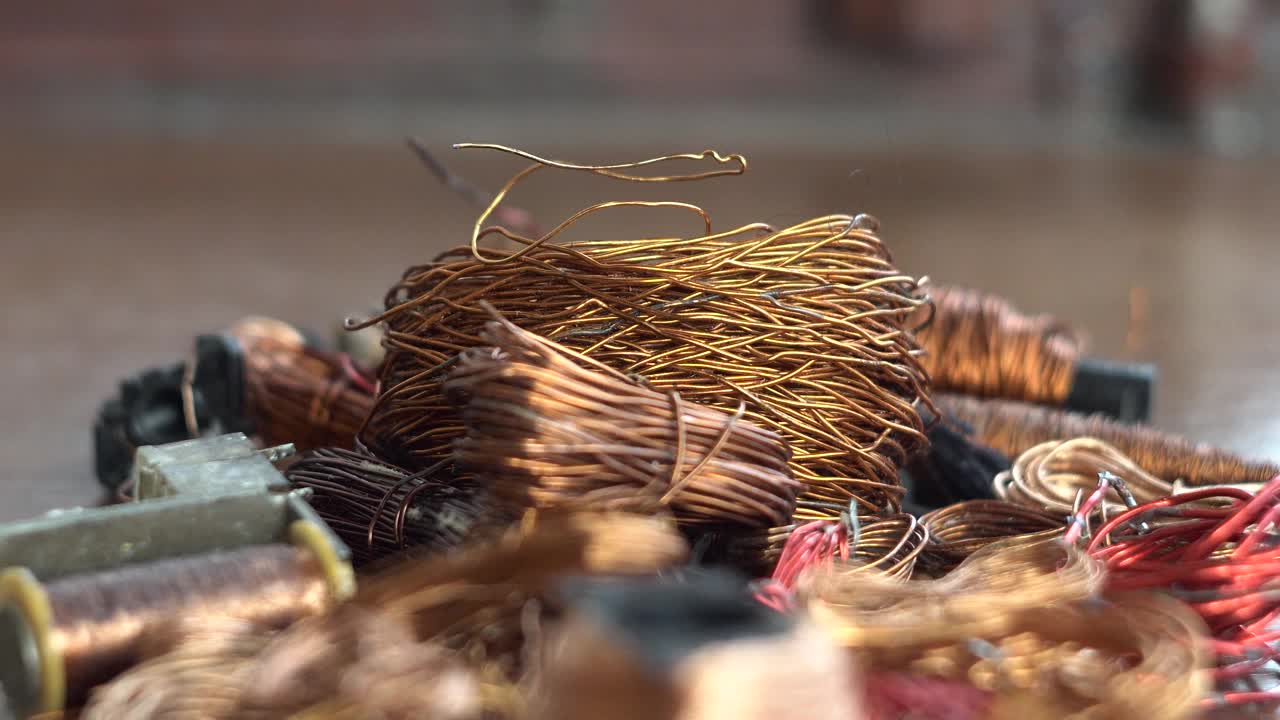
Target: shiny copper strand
(300, 395)
(805, 325)
(980, 345)
(1024, 622)
(959, 530)
(103, 621)
(542, 430)
(1013, 428)
(379, 509)
(1053, 475)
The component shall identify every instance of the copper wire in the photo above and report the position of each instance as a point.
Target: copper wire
(1052, 475)
(379, 509)
(542, 428)
(889, 546)
(958, 531)
(300, 395)
(103, 621)
(979, 344)
(805, 325)
(1013, 428)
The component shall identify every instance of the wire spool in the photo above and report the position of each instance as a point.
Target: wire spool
(379, 509)
(67, 635)
(1014, 428)
(805, 325)
(1052, 476)
(543, 430)
(979, 344)
(958, 531)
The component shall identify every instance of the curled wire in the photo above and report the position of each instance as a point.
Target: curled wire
(1014, 428)
(804, 327)
(1050, 475)
(546, 426)
(979, 344)
(958, 531)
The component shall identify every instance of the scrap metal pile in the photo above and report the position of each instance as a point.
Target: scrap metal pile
(750, 473)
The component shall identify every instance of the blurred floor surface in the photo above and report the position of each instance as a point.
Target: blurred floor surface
(117, 252)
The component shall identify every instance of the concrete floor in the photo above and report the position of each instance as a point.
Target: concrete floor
(116, 252)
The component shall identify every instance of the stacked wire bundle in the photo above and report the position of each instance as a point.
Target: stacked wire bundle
(1014, 428)
(1216, 549)
(379, 509)
(803, 327)
(979, 344)
(544, 431)
(959, 530)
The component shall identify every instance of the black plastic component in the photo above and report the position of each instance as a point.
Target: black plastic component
(953, 469)
(149, 409)
(1119, 390)
(662, 621)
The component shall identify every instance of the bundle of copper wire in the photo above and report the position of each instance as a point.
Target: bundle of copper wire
(379, 509)
(1216, 549)
(806, 326)
(958, 531)
(1017, 623)
(1014, 428)
(1053, 475)
(543, 429)
(979, 344)
(297, 394)
(890, 547)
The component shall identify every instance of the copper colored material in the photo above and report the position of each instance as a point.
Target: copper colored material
(979, 344)
(546, 426)
(958, 531)
(890, 546)
(1052, 475)
(1014, 428)
(300, 395)
(805, 325)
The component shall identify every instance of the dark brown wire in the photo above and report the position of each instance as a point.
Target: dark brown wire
(805, 325)
(379, 509)
(979, 344)
(543, 430)
(1014, 427)
(300, 395)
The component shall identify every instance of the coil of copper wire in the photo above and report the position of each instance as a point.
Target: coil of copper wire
(959, 530)
(1014, 428)
(545, 425)
(805, 325)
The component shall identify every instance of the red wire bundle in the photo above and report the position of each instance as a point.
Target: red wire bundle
(820, 541)
(1218, 549)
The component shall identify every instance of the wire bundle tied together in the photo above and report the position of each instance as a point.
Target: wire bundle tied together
(1014, 428)
(301, 395)
(1052, 475)
(804, 325)
(379, 509)
(543, 430)
(1216, 549)
(958, 531)
(979, 344)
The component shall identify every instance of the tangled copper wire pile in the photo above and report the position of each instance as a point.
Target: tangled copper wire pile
(806, 327)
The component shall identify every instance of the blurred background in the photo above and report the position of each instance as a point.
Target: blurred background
(167, 167)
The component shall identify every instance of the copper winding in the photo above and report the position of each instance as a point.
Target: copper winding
(103, 622)
(1014, 428)
(890, 546)
(1053, 475)
(379, 509)
(958, 531)
(979, 344)
(300, 395)
(546, 425)
(805, 325)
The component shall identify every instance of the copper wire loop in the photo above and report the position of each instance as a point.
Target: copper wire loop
(1052, 475)
(542, 429)
(978, 344)
(300, 395)
(103, 621)
(379, 509)
(958, 531)
(1014, 428)
(805, 325)
(890, 546)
